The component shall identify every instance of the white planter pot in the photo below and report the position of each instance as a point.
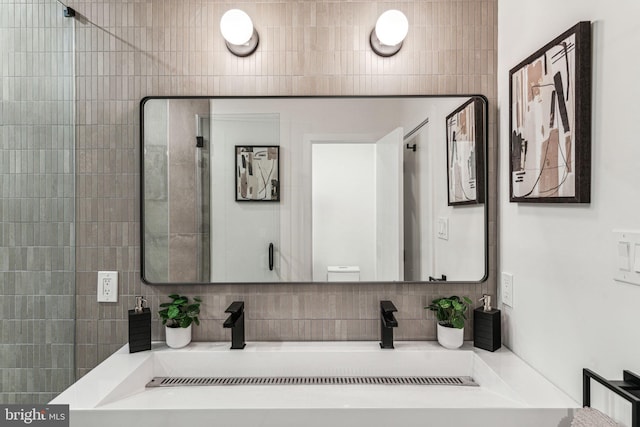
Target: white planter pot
(178, 337)
(450, 337)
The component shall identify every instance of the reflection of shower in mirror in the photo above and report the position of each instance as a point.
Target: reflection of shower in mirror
(203, 197)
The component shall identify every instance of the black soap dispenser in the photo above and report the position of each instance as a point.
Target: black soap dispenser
(486, 326)
(139, 327)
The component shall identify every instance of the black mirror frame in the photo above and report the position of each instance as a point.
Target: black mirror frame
(485, 191)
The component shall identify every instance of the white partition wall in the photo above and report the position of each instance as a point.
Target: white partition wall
(389, 207)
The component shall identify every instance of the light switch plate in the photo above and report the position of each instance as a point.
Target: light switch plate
(506, 289)
(627, 256)
(107, 286)
(443, 228)
(623, 256)
(636, 258)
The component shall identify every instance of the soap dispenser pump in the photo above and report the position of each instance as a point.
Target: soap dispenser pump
(486, 326)
(139, 327)
(487, 302)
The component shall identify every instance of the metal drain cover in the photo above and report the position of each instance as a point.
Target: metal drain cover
(220, 381)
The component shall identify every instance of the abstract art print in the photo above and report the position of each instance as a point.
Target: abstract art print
(550, 121)
(465, 159)
(257, 173)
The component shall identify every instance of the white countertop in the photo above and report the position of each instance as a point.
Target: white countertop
(118, 382)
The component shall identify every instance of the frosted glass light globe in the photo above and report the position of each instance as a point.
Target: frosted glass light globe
(392, 27)
(236, 27)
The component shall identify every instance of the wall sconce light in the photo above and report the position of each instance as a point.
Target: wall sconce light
(238, 32)
(390, 30)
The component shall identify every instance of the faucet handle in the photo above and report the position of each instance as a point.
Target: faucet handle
(387, 307)
(235, 307)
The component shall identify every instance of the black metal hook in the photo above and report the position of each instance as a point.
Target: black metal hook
(411, 147)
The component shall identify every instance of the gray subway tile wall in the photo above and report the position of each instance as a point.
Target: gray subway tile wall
(127, 50)
(37, 196)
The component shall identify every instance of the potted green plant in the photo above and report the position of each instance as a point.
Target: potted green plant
(450, 313)
(178, 316)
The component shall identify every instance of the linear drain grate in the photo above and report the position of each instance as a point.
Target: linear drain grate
(220, 381)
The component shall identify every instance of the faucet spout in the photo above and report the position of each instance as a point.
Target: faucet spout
(235, 322)
(389, 320)
(232, 320)
(387, 323)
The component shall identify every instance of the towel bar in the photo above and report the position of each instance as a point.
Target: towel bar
(628, 389)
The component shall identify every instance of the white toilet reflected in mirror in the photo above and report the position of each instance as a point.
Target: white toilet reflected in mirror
(343, 273)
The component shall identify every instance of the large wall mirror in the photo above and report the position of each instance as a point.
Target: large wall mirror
(313, 189)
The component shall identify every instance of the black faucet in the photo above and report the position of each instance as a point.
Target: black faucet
(236, 322)
(387, 323)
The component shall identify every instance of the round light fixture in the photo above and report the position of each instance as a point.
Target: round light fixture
(389, 33)
(238, 32)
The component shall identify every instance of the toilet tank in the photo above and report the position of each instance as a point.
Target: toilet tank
(343, 273)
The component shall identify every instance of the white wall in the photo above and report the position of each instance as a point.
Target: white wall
(460, 256)
(241, 231)
(568, 312)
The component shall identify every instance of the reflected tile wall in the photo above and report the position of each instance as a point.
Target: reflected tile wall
(37, 259)
(125, 51)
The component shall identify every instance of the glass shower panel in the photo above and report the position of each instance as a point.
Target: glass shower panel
(156, 196)
(203, 196)
(37, 202)
(176, 183)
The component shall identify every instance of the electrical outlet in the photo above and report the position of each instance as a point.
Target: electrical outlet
(107, 286)
(506, 290)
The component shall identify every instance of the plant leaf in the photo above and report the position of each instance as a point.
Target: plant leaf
(173, 312)
(193, 307)
(457, 322)
(444, 303)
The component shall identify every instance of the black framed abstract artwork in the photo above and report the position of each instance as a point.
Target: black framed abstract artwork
(550, 121)
(465, 148)
(257, 173)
